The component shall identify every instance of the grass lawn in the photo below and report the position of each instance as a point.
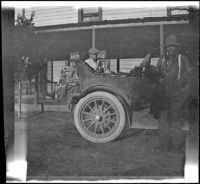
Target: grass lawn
(56, 149)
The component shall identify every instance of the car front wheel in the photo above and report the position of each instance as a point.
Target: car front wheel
(99, 117)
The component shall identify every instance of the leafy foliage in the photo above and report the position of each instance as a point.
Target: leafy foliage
(28, 47)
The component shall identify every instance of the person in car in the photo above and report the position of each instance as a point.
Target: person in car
(92, 60)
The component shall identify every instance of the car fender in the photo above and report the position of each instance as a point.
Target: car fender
(111, 90)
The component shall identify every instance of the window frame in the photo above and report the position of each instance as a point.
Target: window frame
(171, 9)
(82, 15)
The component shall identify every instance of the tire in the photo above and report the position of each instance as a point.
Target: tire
(99, 117)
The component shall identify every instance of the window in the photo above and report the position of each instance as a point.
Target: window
(177, 11)
(90, 14)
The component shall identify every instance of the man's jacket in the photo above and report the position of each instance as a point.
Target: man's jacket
(172, 81)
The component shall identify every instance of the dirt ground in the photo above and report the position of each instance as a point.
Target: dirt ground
(56, 150)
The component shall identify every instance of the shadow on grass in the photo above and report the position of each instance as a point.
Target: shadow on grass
(130, 132)
(27, 115)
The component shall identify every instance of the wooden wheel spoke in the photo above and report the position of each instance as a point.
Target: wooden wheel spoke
(102, 105)
(95, 105)
(102, 128)
(107, 108)
(88, 113)
(87, 119)
(110, 120)
(111, 114)
(90, 108)
(92, 123)
(95, 129)
(107, 126)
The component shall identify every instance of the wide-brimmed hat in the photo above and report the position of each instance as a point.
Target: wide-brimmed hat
(93, 51)
(171, 41)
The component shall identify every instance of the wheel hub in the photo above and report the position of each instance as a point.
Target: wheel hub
(98, 118)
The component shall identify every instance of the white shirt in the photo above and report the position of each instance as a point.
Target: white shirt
(92, 63)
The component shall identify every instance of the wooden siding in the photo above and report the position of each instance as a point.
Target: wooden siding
(53, 15)
(45, 16)
(126, 13)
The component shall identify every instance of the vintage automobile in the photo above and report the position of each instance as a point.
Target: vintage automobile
(104, 105)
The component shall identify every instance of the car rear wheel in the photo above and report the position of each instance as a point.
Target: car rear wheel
(99, 117)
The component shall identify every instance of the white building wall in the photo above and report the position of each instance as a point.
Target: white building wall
(127, 13)
(45, 16)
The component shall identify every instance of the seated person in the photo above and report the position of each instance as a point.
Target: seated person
(101, 65)
(92, 60)
(66, 78)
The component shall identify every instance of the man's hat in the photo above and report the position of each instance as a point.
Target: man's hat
(171, 41)
(93, 51)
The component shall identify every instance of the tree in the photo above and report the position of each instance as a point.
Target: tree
(28, 45)
(23, 37)
(30, 50)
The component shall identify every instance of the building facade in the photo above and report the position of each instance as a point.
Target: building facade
(126, 34)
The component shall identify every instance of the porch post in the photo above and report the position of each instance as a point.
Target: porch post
(93, 37)
(51, 75)
(118, 65)
(161, 40)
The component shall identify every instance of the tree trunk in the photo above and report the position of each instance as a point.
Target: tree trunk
(36, 88)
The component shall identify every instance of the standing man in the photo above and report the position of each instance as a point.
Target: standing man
(172, 89)
(92, 60)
